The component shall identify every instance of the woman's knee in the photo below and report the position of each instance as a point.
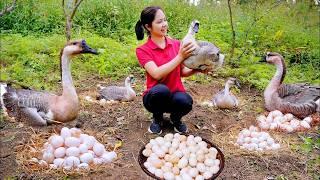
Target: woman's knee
(160, 90)
(182, 101)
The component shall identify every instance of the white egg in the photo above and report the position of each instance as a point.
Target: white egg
(60, 152)
(199, 177)
(176, 135)
(73, 151)
(98, 161)
(86, 158)
(71, 161)
(247, 139)
(175, 144)
(157, 163)
(190, 137)
(165, 169)
(201, 167)
(270, 141)
(262, 138)
(253, 128)
(261, 118)
(264, 125)
(202, 144)
(308, 120)
(289, 129)
(91, 152)
(84, 166)
(275, 146)
(174, 159)
(278, 119)
(269, 118)
(72, 142)
(217, 162)
(207, 174)
(288, 117)
(168, 137)
(75, 132)
(263, 144)
(183, 145)
(82, 137)
(183, 162)
(58, 162)
(276, 113)
(98, 149)
(148, 146)
(197, 139)
(255, 140)
(185, 152)
(165, 149)
(160, 141)
(273, 126)
(193, 172)
(53, 166)
(147, 164)
(193, 161)
(56, 141)
(83, 148)
(254, 134)
(49, 148)
(153, 142)
(43, 163)
(193, 149)
(65, 132)
(152, 169)
(214, 169)
(146, 152)
(209, 162)
(182, 138)
(186, 176)
(89, 141)
(159, 173)
(168, 175)
(48, 157)
(305, 124)
(109, 156)
(175, 170)
(240, 141)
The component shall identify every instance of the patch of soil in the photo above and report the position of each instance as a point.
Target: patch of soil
(128, 122)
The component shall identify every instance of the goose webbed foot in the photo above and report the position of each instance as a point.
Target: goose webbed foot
(33, 117)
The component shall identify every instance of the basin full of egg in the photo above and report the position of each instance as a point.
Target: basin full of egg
(254, 140)
(176, 156)
(287, 123)
(73, 149)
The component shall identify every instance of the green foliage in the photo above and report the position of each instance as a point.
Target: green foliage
(33, 34)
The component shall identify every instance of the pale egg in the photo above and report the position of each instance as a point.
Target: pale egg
(263, 145)
(201, 167)
(183, 162)
(270, 141)
(264, 125)
(289, 129)
(72, 142)
(209, 162)
(84, 166)
(193, 172)
(48, 157)
(157, 163)
(217, 162)
(245, 132)
(56, 141)
(275, 146)
(166, 169)
(86, 158)
(288, 117)
(174, 159)
(276, 113)
(199, 177)
(269, 118)
(158, 173)
(73, 151)
(82, 137)
(261, 118)
(253, 129)
(178, 177)
(53, 166)
(202, 144)
(207, 174)
(83, 148)
(146, 152)
(168, 176)
(182, 138)
(60, 152)
(71, 161)
(305, 125)
(49, 148)
(175, 170)
(148, 146)
(193, 161)
(89, 141)
(147, 164)
(176, 135)
(65, 132)
(91, 152)
(58, 162)
(160, 141)
(247, 139)
(109, 156)
(98, 149)
(255, 140)
(168, 137)
(153, 142)
(214, 169)
(197, 139)
(98, 161)
(75, 132)
(190, 137)
(43, 163)
(308, 120)
(186, 176)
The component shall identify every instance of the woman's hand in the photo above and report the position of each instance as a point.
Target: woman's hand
(186, 50)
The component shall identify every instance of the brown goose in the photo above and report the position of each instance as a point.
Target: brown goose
(117, 93)
(298, 99)
(206, 55)
(225, 99)
(42, 108)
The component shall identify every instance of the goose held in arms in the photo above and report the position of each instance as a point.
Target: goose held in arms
(206, 55)
(42, 108)
(300, 100)
(117, 93)
(225, 99)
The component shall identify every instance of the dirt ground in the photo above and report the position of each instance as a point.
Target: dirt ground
(128, 122)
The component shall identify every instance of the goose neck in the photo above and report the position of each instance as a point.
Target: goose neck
(67, 83)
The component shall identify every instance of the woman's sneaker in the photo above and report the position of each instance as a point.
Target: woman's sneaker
(155, 128)
(180, 127)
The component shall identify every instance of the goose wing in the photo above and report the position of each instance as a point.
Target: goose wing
(113, 93)
(299, 93)
(15, 99)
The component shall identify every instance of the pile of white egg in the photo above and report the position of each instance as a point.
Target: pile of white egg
(254, 140)
(288, 123)
(176, 156)
(74, 149)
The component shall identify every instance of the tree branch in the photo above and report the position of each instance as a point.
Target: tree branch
(8, 8)
(233, 32)
(69, 17)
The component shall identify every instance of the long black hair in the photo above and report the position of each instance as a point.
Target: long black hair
(146, 17)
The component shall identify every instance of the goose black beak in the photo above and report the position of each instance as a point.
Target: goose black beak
(263, 59)
(237, 83)
(87, 49)
(196, 27)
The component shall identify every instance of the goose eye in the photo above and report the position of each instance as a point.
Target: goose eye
(75, 43)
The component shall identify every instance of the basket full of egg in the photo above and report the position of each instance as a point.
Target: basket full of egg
(72, 149)
(176, 156)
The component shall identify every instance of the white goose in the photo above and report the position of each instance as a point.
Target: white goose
(225, 99)
(42, 108)
(118, 93)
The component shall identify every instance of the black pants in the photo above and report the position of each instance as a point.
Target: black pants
(160, 100)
